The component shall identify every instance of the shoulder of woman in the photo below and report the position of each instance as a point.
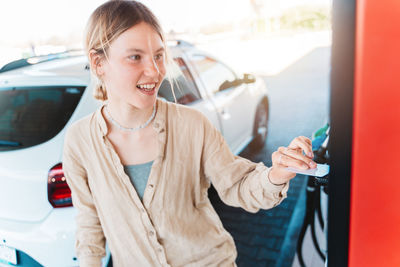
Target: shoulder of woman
(186, 114)
(78, 129)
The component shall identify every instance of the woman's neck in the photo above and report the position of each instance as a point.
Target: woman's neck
(127, 115)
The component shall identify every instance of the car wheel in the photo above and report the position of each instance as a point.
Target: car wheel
(260, 131)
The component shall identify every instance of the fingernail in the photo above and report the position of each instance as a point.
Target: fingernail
(304, 166)
(312, 164)
(310, 154)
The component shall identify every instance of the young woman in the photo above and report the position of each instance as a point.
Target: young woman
(139, 168)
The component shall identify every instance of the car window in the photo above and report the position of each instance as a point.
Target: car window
(32, 115)
(215, 75)
(184, 86)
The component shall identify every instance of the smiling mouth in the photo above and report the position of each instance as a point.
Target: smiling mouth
(146, 87)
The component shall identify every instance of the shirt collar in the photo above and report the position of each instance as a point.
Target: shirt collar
(158, 121)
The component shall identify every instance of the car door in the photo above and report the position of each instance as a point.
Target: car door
(187, 92)
(230, 98)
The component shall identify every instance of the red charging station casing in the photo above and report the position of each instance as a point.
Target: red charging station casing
(374, 232)
(364, 143)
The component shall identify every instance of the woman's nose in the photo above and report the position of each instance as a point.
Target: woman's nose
(151, 68)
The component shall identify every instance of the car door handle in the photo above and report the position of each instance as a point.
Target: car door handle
(225, 114)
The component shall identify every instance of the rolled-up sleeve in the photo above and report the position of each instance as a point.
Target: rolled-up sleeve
(89, 236)
(238, 181)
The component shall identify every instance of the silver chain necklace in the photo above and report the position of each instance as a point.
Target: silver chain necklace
(132, 129)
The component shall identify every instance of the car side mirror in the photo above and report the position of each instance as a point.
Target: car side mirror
(249, 78)
(229, 84)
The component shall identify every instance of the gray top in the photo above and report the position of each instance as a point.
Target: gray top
(139, 174)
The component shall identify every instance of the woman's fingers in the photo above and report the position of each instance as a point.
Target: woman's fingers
(306, 139)
(292, 156)
(287, 161)
(295, 158)
(304, 143)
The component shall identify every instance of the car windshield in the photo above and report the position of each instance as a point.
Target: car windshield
(32, 115)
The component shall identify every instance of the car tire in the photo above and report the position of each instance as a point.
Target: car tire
(260, 130)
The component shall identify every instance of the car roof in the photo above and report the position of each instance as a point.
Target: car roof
(63, 70)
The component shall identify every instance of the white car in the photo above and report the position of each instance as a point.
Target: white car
(40, 97)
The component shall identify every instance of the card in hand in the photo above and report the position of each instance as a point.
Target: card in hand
(320, 171)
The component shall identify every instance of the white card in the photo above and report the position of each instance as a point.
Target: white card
(320, 171)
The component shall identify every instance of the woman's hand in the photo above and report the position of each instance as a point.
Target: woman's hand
(291, 156)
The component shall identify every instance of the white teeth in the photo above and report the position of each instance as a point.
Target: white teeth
(147, 87)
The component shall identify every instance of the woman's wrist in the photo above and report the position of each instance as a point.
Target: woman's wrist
(269, 179)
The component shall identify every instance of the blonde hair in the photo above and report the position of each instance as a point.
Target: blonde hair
(109, 21)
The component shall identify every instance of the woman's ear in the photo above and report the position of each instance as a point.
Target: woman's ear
(96, 63)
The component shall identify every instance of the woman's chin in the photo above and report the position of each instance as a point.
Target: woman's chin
(145, 104)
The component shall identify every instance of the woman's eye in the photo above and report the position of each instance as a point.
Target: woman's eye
(158, 57)
(135, 57)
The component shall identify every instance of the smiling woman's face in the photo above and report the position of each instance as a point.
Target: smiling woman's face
(135, 66)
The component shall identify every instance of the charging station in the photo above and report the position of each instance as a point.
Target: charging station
(364, 147)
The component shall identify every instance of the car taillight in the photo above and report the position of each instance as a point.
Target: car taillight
(58, 190)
